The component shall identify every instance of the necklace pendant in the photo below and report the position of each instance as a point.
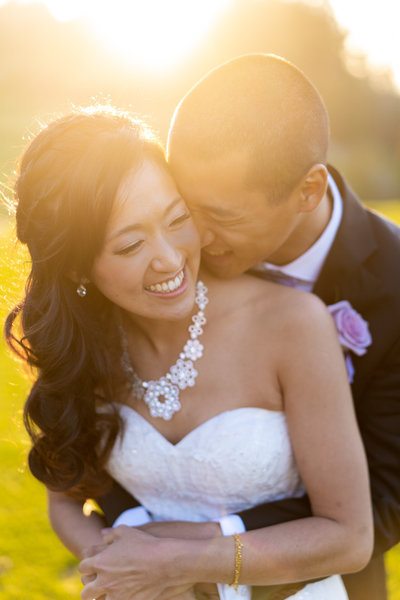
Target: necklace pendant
(162, 395)
(183, 374)
(170, 404)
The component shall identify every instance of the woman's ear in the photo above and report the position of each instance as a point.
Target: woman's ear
(73, 275)
(313, 187)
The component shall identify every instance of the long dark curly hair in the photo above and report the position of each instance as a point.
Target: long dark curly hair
(67, 183)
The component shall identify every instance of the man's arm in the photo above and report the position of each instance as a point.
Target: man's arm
(272, 513)
(115, 502)
(378, 415)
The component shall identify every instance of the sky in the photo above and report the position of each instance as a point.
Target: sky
(373, 26)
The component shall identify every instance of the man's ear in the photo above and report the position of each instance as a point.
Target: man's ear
(313, 187)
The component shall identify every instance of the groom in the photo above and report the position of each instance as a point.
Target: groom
(248, 147)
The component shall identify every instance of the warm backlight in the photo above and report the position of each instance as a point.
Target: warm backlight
(152, 34)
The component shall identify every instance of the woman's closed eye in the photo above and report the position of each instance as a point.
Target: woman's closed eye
(130, 248)
(134, 246)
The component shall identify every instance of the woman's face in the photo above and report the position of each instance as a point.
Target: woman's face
(150, 258)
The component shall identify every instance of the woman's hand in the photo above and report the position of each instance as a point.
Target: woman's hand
(87, 553)
(135, 565)
(184, 530)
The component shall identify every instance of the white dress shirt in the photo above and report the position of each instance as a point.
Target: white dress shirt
(307, 267)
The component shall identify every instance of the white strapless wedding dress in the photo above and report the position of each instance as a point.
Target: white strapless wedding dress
(235, 460)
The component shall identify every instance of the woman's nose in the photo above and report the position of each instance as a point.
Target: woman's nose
(167, 258)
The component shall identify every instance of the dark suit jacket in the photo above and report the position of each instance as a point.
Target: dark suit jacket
(362, 267)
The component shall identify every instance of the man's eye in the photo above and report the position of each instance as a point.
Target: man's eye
(130, 248)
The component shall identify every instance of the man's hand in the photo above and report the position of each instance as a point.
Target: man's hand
(132, 565)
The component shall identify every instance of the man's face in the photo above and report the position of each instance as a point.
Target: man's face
(239, 227)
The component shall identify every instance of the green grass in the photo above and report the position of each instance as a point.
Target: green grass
(33, 563)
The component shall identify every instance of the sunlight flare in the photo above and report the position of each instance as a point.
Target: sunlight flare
(379, 43)
(156, 34)
(152, 34)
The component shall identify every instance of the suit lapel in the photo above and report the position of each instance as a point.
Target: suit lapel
(344, 275)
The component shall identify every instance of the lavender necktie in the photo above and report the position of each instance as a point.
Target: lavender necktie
(282, 278)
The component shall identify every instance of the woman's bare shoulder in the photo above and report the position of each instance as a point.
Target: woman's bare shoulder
(244, 286)
(269, 304)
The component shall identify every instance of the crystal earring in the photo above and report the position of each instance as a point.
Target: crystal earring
(81, 290)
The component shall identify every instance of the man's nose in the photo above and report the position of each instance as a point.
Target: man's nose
(205, 231)
(206, 237)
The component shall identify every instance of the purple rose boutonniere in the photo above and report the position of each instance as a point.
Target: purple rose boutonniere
(353, 332)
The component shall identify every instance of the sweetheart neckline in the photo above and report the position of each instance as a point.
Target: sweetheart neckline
(201, 425)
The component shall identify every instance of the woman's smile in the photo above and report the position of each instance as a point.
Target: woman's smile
(169, 287)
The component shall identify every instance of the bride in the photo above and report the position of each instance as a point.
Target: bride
(202, 397)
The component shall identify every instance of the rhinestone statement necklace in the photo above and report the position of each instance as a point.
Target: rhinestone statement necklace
(162, 395)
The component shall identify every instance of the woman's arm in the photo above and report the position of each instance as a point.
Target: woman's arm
(76, 531)
(329, 454)
(331, 460)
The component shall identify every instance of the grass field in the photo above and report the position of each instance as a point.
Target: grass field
(33, 564)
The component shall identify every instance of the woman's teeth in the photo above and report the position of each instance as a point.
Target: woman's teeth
(168, 286)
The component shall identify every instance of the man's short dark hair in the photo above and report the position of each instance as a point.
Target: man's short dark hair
(261, 104)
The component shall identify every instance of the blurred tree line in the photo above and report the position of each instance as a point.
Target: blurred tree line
(46, 66)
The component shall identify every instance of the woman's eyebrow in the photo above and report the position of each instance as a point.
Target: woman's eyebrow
(135, 226)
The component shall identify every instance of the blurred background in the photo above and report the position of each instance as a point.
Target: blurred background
(143, 55)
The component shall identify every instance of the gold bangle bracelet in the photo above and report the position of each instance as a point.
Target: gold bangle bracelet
(238, 562)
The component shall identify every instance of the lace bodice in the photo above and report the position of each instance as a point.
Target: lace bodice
(233, 461)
